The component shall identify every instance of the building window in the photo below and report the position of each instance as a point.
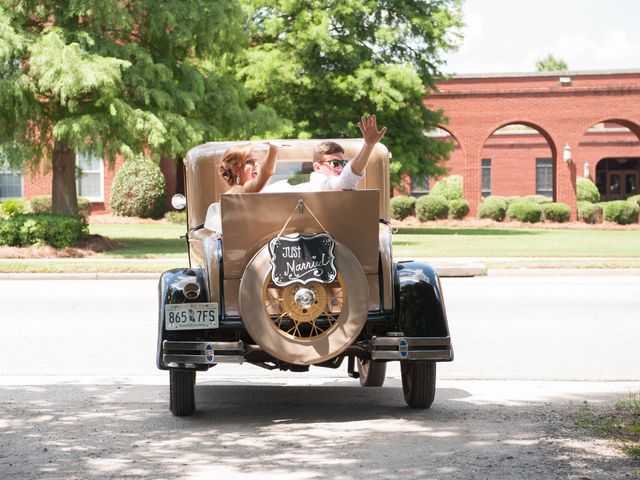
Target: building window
(90, 177)
(544, 177)
(419, 186)
(486, 177)
(11, 184)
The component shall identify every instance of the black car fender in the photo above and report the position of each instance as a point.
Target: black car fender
(420, 309)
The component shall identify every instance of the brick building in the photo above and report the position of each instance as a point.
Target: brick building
(515, 134)
(524, 134)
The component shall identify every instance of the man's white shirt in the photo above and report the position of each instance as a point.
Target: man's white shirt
(319, 182)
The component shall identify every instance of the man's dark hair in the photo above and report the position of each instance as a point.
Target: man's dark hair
(326, 148)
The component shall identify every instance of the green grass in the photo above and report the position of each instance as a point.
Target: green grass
(620, 423)
(154, 240)
(476, 242)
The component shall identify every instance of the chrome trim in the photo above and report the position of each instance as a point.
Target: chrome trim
(412, 348)
(204, 353)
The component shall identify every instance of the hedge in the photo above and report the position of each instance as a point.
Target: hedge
(541, 199)
(449, 187)
(138, 190)
(458, 208)
(525, 211)
(44, 204)
(432, 207)
(586, 190)
(12, 206)
(493, 207)
(53, 229)
(589, 212)
(556, 212)
(403, 206)
(635, 198)
(622, 212)
(179, 217)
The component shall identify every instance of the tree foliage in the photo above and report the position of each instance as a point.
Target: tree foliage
(551, 64)
(323, 64)
(112, 77)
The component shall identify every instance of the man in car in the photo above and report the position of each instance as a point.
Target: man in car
(330, 169)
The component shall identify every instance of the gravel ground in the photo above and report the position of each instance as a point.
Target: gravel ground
(283, 430)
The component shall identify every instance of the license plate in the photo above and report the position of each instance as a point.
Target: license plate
(190, 316)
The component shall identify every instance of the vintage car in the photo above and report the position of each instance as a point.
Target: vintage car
(297, 279)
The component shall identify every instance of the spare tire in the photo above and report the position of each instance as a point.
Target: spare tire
(304, 324)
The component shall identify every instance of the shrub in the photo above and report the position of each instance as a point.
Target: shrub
(540, 199)
(525, 211)
(402, 207)
(40, 204)
(31, 228)
(179, 217)
(432, 207)
(556, 212)
(635, 198)
(586, 190)
(44, 204)
(622, 212)
(449, 187)
(494, 208)
(458, 208)
(589, 212)
(12, 206)
(138, 190)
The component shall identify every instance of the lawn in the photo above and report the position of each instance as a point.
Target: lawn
(488, 242)
(157, 247)
(147, 240)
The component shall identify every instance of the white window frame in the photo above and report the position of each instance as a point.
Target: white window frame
(99, 198)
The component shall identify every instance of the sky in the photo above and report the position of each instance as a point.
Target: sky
(504, 36)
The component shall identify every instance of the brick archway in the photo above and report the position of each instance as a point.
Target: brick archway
(562, 107)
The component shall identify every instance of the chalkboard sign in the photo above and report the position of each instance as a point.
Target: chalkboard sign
(302, 259)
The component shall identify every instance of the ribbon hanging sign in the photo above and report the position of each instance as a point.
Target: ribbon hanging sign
(302, 259)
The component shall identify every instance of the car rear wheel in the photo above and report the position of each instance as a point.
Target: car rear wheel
(304, 324)
(418, 383)
(371, 372)
(182, 399)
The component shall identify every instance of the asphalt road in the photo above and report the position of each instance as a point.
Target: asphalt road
(80, 396)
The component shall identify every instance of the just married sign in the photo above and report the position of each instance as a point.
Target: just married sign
(302, 259)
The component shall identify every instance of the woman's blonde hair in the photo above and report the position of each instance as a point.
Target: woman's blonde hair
(234, 158)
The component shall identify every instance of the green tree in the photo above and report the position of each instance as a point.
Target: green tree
(322, 64)
(551, 64)
(112, 77)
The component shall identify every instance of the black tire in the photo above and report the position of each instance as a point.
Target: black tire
(418, 383)
(371, 372)
(182, 398)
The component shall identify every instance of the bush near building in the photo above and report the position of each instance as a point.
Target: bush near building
(178, 217)
(524, 211)
(43, 204)
(622, 212)
(36, 228)
(449, 187)
(493, 207)
(586, 190)
(432, 207)
(556, 212)
(458, 208)
(540, 199)
(635, 198)
(138, 190)
(589, 212)
(11, 206)
(403, 206)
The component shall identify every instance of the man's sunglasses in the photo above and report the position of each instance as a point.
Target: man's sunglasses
(336, 163)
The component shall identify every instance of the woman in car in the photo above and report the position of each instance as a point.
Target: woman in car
(240, 169)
